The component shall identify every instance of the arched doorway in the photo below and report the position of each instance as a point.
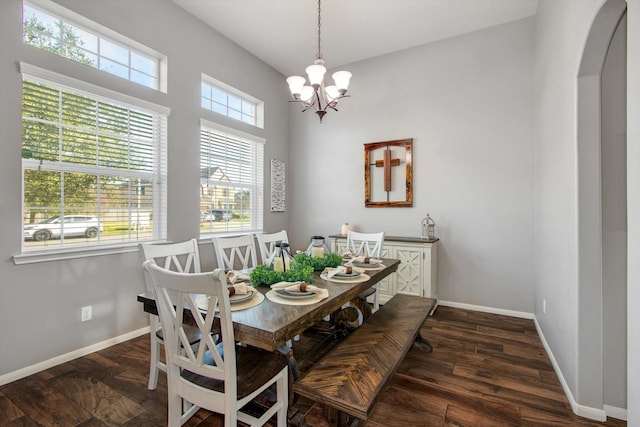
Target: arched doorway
(602, 213)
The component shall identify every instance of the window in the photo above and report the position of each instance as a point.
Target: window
(223, 99)
(116, 55)
(231, 180)
(94, 164)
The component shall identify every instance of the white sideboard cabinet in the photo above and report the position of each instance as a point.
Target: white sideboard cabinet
(416, 274)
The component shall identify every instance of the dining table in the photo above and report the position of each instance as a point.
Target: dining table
(270, 325)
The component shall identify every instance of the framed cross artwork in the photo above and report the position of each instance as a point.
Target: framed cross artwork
(388, 174)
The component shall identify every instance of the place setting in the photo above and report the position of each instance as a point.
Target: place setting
(296, 293)
(345, 274)
(364, 262)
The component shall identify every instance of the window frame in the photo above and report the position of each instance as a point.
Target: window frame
(213, 84)
(258, 184)
(158, 174)
(103, 33)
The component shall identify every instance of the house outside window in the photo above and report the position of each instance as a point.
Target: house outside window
(94, 165)
(231, 180)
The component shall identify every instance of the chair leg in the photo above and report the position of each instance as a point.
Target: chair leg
(175, 410)
(283, 396)
(154, 357)
(376, 299)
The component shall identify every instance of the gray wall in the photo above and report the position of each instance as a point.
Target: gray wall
(467, 103)
(40, 303)
(633, 213)
(614, 219)
(569, 245)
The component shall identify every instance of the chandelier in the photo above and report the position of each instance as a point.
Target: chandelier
(317, 95)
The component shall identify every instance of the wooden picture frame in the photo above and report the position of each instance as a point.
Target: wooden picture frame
(385, 187)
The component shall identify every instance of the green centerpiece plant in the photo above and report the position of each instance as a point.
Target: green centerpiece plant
(318, 263)
(265, 275)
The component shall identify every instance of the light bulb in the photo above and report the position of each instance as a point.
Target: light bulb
(295, 85)
(307, 93)
(316, 74)
(342, 80)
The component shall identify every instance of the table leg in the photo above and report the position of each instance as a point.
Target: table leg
(422, 343)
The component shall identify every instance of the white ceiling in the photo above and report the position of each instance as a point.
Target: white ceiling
(284, 33)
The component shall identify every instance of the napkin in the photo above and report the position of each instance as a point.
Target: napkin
(234, 276)
(348, 254)
(300, 287)
(341, 269)
(239, 289)
(363, 259)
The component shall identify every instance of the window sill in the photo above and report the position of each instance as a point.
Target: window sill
(62, 254)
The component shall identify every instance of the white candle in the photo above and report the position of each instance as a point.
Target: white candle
(317, 252)
(277, 264)
(344, 230)
(287, 263)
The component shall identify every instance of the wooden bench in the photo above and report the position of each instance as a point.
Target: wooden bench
(351, 376)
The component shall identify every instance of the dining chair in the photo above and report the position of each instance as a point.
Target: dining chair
(221, 377)
(183, 257)
(233, 253)
(367, 244)
(267, 243)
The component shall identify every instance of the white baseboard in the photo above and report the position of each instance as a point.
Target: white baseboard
(580, 410)
(615, 412)
(63, 358)
(484, 309)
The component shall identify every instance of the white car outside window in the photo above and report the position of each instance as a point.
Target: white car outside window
(69, 225)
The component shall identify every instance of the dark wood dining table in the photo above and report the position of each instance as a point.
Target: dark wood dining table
(269, 325)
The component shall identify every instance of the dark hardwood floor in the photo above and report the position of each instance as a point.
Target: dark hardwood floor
(485, 370)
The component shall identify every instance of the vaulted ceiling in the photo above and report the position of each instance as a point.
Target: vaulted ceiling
(284, 33)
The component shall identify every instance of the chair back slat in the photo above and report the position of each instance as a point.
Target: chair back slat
(267, 244)
(366, 244)
(234, 253)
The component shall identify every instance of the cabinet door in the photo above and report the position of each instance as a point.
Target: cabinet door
(340, 246)
(386, 287)
(409, 274)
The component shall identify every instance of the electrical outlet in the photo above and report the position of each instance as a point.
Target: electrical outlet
(85, 313)
(544, 306)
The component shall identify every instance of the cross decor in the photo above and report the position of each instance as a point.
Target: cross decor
(386, 183)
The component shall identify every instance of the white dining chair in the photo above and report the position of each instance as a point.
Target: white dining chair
(367, 244)
(221, 377)
(267, 243)
(234, 253)
(183, 257)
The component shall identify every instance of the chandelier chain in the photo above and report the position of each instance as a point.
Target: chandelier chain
(319, 55)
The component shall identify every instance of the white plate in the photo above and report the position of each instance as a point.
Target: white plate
(347, 275)
(365, 265)
(294, 295)
(241, 298)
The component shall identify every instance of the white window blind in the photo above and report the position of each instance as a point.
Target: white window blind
(231, 180)
(85, 155)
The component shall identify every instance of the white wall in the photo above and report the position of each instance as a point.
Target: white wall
(467, 104)
(40, 303)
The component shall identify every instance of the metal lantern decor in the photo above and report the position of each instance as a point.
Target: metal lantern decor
(428, 228)
(318, 248)
(282, 258)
